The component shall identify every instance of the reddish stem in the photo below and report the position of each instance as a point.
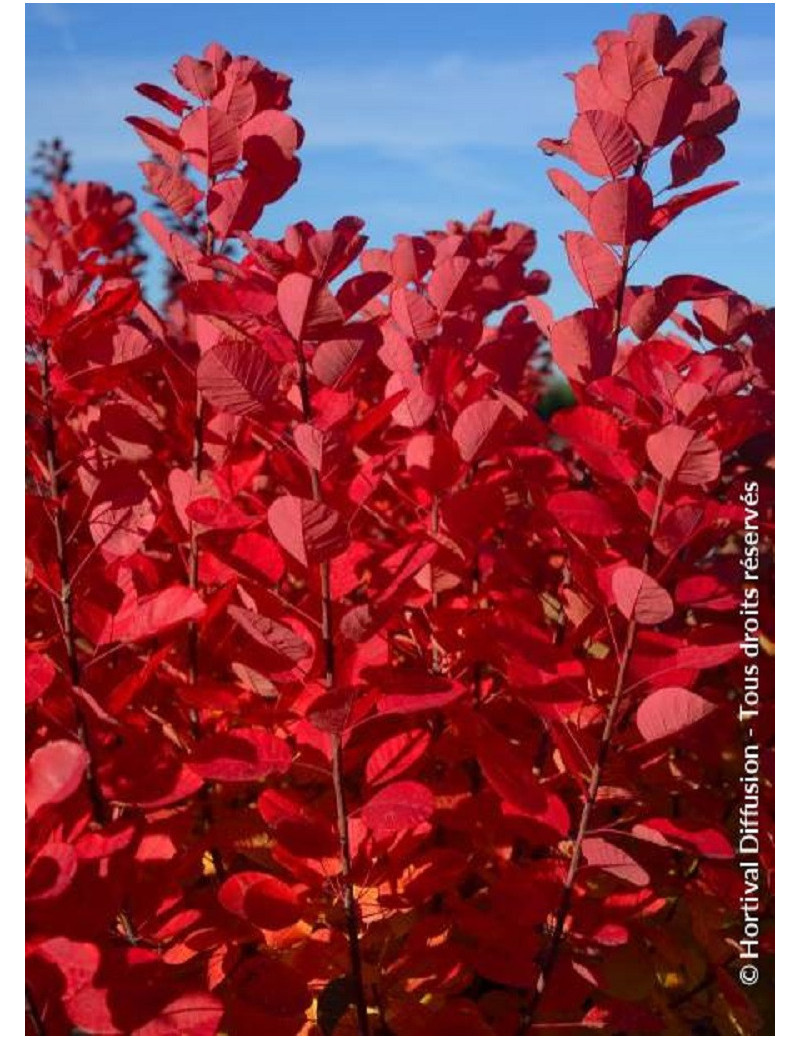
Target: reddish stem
(550, 956)
(66, 591)
(329, 652)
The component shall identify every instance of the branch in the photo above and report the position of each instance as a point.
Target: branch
(550, 956)
(329, 656)
(66, 591)
(33, 1013)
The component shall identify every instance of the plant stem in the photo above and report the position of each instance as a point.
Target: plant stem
(350, 905)
(194, 549)
(66, 592)
(193, 634)
(550, 956)
(435, 652)
(33, 1013)
(51, 456)
(329, 656)
(198, 433)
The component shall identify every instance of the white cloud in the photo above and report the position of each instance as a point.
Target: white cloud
(56, 17)
(453, 102)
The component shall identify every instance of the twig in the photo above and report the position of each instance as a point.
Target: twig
(329, 656)
(33, 1013)
(550, 956)
(67, 619)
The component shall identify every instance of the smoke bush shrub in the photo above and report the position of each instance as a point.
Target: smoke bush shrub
(360, 699)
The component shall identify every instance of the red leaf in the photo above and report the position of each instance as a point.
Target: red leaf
(571, 190)
(122, 515)
(334, 361)
(597, 436)
(592, 94)
(333, 710)
(656, 33)
(240, 755)
(307, 308)
(139, 619)
(237, 377)
(270, 133)
(211, 141)
(582, 345)
(414, 404)
(620, 211)
(473, 428)
(446, 282)
(310, 443)
(672, 208)
(391, 703)
(696, 56)
(683, 455)
(692, 157)
(309, 531)
(639, 597)
(707, 842)
(191, 1014)
(509, 771)
(359, 290)
(625, 67)
(602, 144)
(161, 139)
(658, 111)
(723, 317)
(593, 264)
(601, 853)
(219, 515)
(162, 97)
(396, 756)
(235, 204)
(198, 77)
(669, 711)
(175, 191)
(584, 513)
(416, 317)
(433, 459)
(53, 773)
(183, 253)
(51, 872)
(400, 806)
(39, 675)
(262, 900)
(714, 112)
(705, 591)
(270, 633)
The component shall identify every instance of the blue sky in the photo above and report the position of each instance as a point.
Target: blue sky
(414, 113)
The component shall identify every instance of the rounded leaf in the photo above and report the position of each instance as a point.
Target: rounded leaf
(602, 144)
(669, 711)
(397, 807)
(240, 755)
(639, 597)
(53, 773)
(620, 212)
(683, 455)
(309, 531)
(474, 426)
(260, 899)
(584, 513)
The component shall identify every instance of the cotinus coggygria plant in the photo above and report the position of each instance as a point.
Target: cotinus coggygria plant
(361, 699)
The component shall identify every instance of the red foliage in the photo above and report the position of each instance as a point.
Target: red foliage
(360, 698)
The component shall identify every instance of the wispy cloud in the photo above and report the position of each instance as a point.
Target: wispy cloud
(454, 102)
(58, 18)
(410, 143)
(414, 108)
